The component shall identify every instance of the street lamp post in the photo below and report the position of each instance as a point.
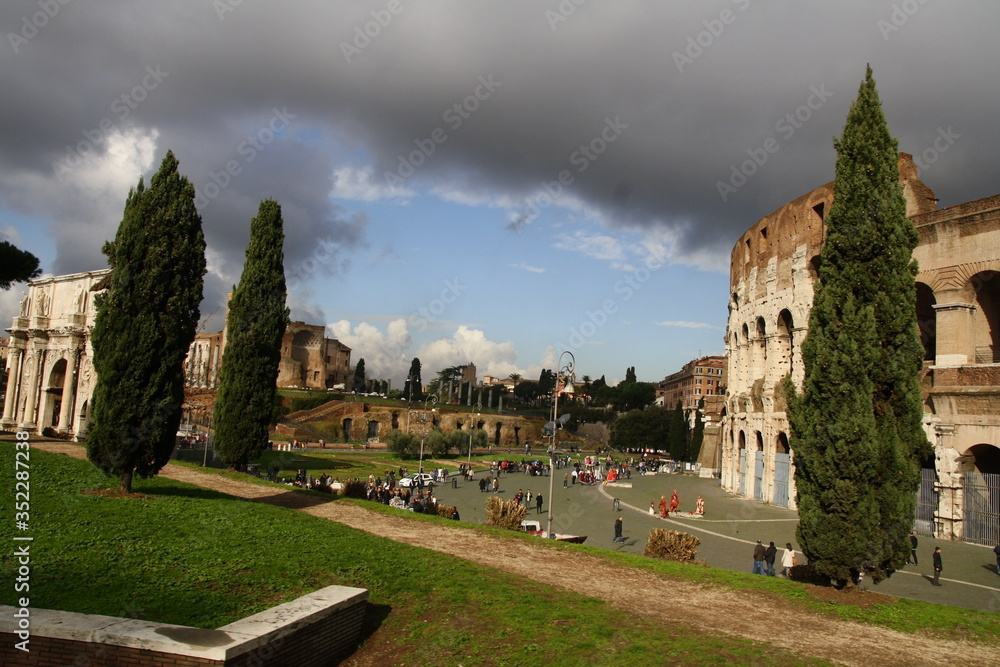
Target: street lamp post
(563, 371)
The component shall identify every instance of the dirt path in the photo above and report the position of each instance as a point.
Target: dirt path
(743, 614)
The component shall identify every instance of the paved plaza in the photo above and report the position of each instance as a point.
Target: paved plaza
(728, 531)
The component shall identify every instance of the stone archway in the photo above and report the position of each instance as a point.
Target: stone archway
(981, 495)
(782, 470)
(52, 396)
(927, 320)
(986, 317)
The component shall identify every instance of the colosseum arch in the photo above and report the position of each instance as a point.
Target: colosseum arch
(759, 349)
(743, 463)
(783, 344)
(981, 495)
(782, 470)
(986, 318)
(927, 320)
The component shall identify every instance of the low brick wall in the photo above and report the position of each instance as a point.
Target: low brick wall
(316, 629)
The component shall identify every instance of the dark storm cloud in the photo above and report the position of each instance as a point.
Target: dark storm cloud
(692, 91)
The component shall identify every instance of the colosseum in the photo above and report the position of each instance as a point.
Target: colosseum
(772, 271)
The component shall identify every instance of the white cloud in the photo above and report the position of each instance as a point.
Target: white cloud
(595, 246)
(528, 268)
(386, 354)
(465, 345)
(358, 184)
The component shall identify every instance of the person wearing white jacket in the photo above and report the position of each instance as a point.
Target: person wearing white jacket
(787, 560)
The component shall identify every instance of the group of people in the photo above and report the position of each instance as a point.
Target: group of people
(524, 497)
(764, 557)
(674, 505)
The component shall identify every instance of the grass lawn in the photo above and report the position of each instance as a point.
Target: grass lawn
(181, 554)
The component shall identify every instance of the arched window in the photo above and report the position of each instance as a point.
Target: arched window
(927, 320)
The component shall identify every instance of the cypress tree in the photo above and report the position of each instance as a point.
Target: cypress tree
(359, 376)
(255, 326)
(413, 388)
(678, 438)
(856, 428)
(144, 326)
(697, 434)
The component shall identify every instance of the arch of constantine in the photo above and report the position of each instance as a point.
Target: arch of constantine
(773, 268)
(49, 357)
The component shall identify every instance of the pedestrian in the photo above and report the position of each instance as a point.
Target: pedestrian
(937, 566)
(758, 558)
(566, 480)
(538, 504)
(618, 531)
(674, 502)
(787, 560)
(616, 505)
(699, 506)
(913, 548)
(527, 499)
(996, 550)
(652, 508)
(769, 555)
(663, 506)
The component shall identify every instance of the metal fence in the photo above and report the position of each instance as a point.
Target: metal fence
(981, 508)
(758, 476)
(781, 474)
(927, 503)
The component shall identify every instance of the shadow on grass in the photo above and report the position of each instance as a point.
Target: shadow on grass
(187, 492)
(375, 615)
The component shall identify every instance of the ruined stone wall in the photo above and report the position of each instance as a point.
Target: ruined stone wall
(773, 269)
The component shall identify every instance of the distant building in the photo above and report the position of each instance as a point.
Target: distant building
(696, 380)
(469, 374)
(50, 359)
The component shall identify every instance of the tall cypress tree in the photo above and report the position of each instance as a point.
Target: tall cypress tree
(856, 428)
(255, 326)
(678, 438)
(413, 388)
(145, 323)
(358, 385)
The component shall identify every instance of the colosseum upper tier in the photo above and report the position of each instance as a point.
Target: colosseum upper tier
(773, 269)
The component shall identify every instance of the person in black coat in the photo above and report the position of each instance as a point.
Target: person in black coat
(618, 531)
(937, 566)
(769, 555)
(913, 548)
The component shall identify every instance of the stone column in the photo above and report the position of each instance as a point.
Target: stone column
(955, 346)
(69, 391)
(14, 357)
(31, 404)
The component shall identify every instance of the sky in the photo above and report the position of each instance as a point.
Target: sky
(494, 182)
